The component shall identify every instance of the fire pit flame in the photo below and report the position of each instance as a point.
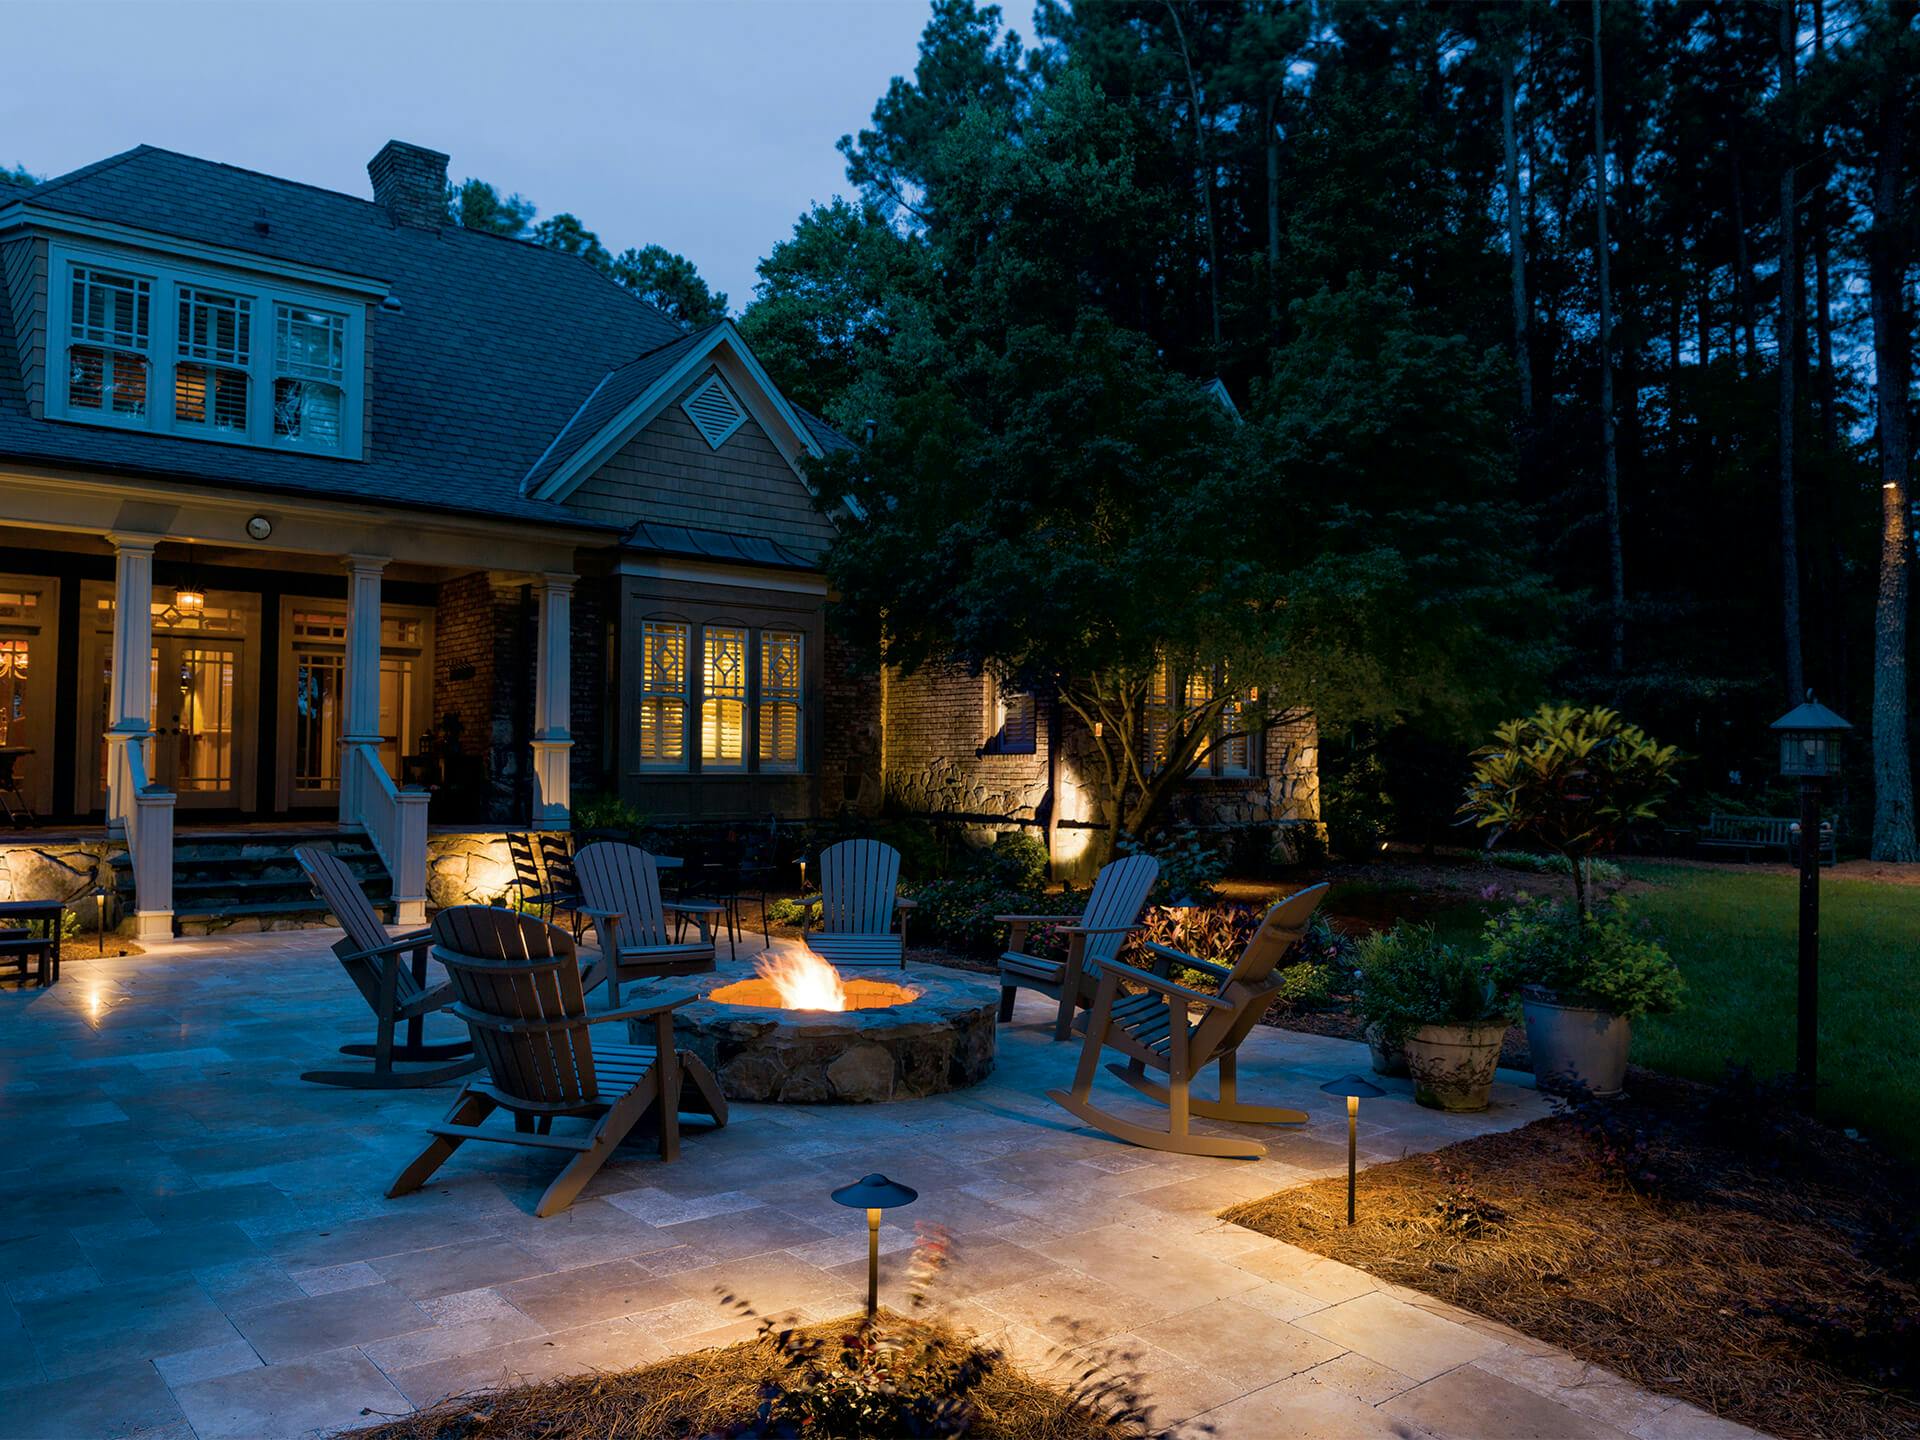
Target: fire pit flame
(803, 981)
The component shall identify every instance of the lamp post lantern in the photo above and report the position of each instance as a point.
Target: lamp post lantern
(1810, 743)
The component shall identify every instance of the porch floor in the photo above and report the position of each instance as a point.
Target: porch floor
(198, 1245)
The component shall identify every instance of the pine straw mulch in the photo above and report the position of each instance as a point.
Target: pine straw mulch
(1704, 1242)
(711, 1393)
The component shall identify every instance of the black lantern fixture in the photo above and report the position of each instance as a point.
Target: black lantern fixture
(1811, 738)
(874, 1193)
(1356, 1088)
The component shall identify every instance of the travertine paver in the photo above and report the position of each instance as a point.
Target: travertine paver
(198, 1243)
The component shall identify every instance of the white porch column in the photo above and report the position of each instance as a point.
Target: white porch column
(553, 706)
(131, 684)
(361, 710)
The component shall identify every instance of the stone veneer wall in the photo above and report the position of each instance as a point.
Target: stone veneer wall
(935, 723)
(467, 867)
(54, 871)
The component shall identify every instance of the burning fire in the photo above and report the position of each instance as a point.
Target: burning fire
(804, 981)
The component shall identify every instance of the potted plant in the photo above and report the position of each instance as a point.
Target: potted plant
(1445, 1008)
(1583, 981)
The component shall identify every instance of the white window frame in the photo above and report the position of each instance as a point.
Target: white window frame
(648, 691)
(166, 280)
(796, 697)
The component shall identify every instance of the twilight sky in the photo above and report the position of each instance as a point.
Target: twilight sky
(706, 126)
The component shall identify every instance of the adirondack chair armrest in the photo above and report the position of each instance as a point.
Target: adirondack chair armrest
(692, 907)
(1164, 986)
(639, 1012)
(1030, 919)
(1180, 957)
(398, 945)
(901, 902)
(595, 914)
(1084, 930)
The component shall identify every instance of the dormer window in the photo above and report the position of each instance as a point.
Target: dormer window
(108, 326)
(213, 345)
(309, 376)
(244, 359)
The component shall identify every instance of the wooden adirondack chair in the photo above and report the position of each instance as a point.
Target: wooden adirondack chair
(858, 879)
(1093, 937)
(621, 886)
(518, 982)
(1154, 1031)
(392, 990)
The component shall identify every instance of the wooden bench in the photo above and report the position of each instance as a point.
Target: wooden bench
(1750, 835)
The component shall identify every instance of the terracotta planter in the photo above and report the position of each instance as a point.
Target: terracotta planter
(1452, 1065)
(1388, 1059)
(1575, 1044)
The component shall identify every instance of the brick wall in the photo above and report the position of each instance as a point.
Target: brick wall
(850, 746)
(463, 657)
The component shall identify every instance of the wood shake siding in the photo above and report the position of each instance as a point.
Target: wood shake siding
(23, 264)
(669, 475)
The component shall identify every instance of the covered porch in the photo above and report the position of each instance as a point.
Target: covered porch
(306, 667)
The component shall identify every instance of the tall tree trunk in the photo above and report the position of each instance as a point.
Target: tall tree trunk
(1788, 343)
(1743, 268)
(1609, 459)
(1206, 174)
(1272, 140)
(1887, 263)
(1516, 242)
(1822, 243)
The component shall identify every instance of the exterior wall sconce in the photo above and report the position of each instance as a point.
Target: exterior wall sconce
(874, 1193)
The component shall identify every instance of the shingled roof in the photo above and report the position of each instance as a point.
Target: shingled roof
(497, 347)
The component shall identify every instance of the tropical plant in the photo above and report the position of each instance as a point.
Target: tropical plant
(1191, 865)
(1409, 977)
(1608, 962)
(1573, 779)
(608, 811)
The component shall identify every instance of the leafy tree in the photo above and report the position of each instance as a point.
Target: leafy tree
(1573, 779)
(18, 175)
(565, 233)
(476, 205)
(671, 283)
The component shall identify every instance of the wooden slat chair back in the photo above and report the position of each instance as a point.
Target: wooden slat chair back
(1155, 1032)
(528, 887)
(859, 896)
(395, 992)
(620, 895)
(563, 886)
(518, 983)
(1111, 917)
(520, 992)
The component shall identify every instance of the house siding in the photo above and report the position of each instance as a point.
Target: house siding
(24, 265)
(669, 475)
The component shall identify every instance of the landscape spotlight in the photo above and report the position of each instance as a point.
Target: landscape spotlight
(1356, 1088)
(874, 1193)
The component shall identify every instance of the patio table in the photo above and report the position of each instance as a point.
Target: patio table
(49, 914)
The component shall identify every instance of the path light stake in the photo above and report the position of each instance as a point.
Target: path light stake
(1810, 739)
(1356, 1088)
(874, 1193)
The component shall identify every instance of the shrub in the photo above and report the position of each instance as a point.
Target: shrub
(1356, 807)
(1603, 873)
(607, 811)
(1019, 861)
(1191, 865)
(1608, 963)
(1410, 978)
(799, 913)
(1220, 932)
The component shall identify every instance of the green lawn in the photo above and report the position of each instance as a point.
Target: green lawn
(1734, 934)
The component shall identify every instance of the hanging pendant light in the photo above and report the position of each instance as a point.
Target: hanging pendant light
(190, 596)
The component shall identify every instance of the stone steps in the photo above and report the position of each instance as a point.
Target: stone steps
(249, 881)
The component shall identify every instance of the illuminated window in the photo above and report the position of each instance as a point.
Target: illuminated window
(15, 711)
(213, 344)
(1159, 713)
(1012, 721)
(663, 695)
(723, 706)
(781, 696)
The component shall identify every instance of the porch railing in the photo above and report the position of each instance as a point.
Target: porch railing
(396, 822)
(144, 815)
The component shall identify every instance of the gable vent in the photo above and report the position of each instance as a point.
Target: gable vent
(714, 411)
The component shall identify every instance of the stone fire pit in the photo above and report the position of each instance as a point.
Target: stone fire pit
(894, 1046)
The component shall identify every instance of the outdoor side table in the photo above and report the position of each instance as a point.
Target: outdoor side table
(49, 914)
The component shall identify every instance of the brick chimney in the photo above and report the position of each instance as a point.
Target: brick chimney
(411, 181)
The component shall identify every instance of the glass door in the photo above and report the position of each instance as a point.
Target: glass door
(194, 704)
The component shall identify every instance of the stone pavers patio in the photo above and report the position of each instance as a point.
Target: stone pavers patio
(197, 1243)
